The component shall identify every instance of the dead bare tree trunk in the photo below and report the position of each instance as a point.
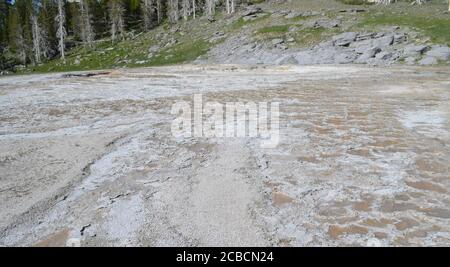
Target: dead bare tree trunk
(159, 10)
(21, 46)
(210, 8)
(40, 45)
(230, 4)
(61, 30)
(185, 9)
(147, 12)
(172, 12)
(36, 38)
(418, 2)
(194, 7)
(116, 16)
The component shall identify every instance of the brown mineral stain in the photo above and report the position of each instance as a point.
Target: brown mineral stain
(335, 231)
(115, 73)
(401, 241)
(416, 194)
(437, 212)
(375, 223)
(356, 114)
(335, 121)
(284, 243)
(332, 211)
(363, 205)
(363, 152)
(346, 220)
(385, 143)
(356, 229)
(402, 197)
(380, 235)
(423, 185)
(429, 165)
(392, 206)
(280, 198)
(310, 159)
(321, 130)
(346, 137)
(329, 155)
(417, 234)
(57, 239)
(405, 223)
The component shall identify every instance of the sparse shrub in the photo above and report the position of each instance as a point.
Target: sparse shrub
(274, 29)
(355, 2)
(252, 2)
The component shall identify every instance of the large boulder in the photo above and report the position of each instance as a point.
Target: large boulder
(365, 36)
(385, 55)
(361, 46)
(277, 41)
(428, 61)
(320, 56)
(306, 58)
(413, 50)
(384, 41)
(367, 54)
(439, 52)
(327, 55)
(252, 10)
(371, 42)
(344, 39)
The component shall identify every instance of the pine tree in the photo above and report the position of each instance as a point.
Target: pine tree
(25, 9)
(3, 23)
(46, 19)
(15, 37)
(100, 17)
(87, 32)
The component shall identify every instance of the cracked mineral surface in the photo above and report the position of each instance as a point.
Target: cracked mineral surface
(363, 159)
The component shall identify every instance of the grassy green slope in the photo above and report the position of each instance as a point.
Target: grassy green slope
(193, 36)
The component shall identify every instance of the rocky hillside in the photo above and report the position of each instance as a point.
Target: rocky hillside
(282, 32)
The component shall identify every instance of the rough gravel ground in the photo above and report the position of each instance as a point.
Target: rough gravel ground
(364, 159)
